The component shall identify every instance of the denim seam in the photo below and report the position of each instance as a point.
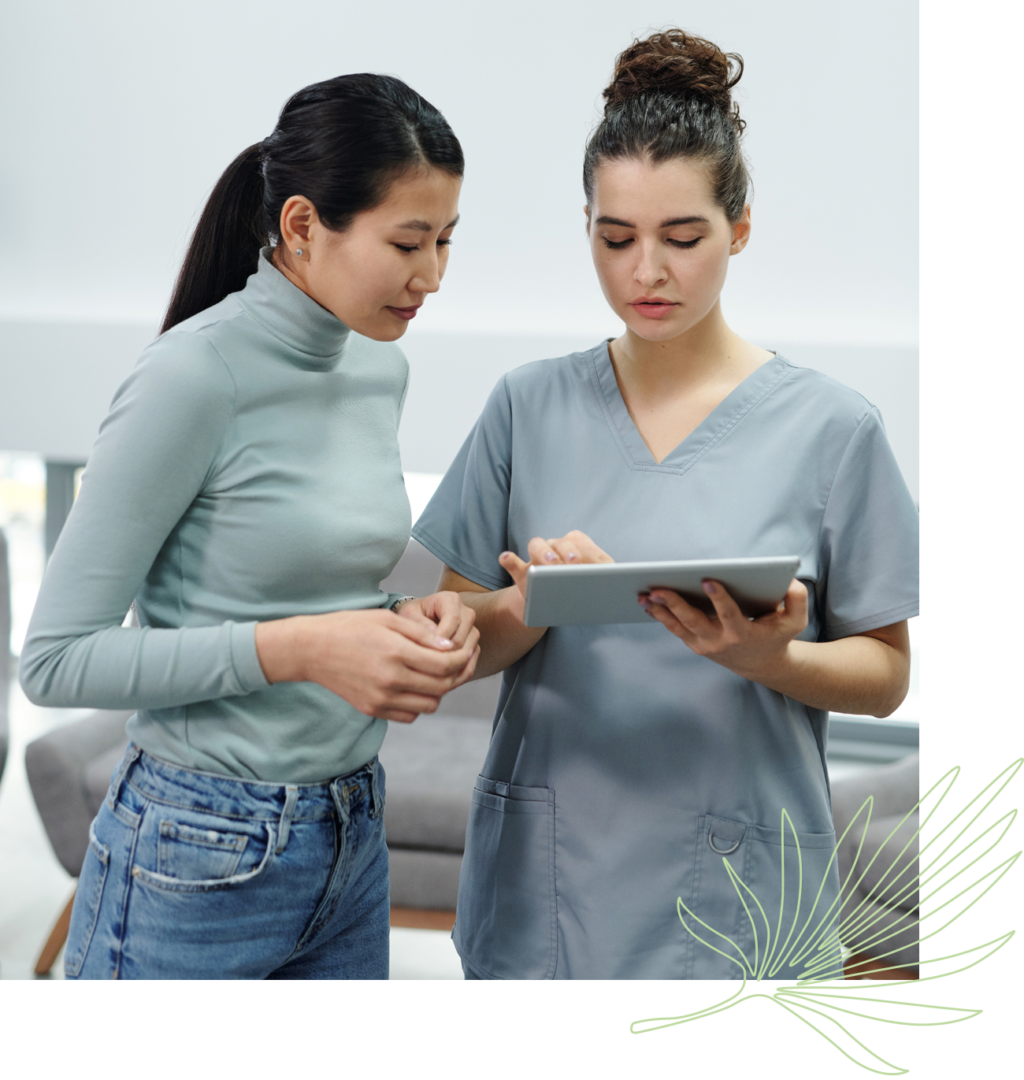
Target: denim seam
(127, 894)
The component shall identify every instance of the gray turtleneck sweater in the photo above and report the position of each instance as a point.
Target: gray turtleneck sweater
(248, 470)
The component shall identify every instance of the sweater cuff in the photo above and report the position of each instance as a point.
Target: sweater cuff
(243, 656)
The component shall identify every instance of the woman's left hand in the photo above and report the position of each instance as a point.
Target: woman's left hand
(444, 611)
(749, 647)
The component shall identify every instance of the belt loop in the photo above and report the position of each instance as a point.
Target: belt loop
(285, 824)
(131, 755)
(340, 798)
(375, 799)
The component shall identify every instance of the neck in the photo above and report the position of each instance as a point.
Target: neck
(283, 262)
(707, 352)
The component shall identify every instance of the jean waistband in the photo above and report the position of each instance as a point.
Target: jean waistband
(229, 796)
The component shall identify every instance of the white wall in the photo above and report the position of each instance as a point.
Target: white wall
(118, 117)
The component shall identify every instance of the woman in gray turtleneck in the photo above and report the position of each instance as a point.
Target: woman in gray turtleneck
(246, 493)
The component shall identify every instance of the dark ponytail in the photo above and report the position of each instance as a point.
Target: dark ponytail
(341, 144)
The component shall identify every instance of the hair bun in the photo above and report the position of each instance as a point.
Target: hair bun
(674, 62)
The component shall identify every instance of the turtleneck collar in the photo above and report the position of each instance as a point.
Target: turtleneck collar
(292, 317)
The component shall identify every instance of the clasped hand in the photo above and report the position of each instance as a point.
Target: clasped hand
(393, 665)
(752, 648)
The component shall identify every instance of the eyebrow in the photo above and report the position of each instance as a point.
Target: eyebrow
(692, 219)
(425, 226)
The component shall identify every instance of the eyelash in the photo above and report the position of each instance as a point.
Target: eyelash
(407, 250)
(616, 244)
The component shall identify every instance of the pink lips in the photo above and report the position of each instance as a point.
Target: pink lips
(652, 308)
(405, 312)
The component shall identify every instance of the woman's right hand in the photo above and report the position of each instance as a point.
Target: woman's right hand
(380, 663)
(573, 548)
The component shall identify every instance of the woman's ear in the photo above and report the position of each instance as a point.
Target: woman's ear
(740, 232)
(586, 210)
(298, 215)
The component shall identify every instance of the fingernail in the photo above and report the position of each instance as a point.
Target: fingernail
(444, 642)
(550, 556)
(571, 557)
(504, 554)
(645, 602)
(658, 600)
(709, 588)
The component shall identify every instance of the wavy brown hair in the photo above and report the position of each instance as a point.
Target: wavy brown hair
(671, 97)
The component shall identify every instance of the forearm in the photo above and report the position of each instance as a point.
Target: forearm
(132, 668)
(857, 674)
(503, 637)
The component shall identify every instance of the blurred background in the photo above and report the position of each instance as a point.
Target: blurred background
(119, 117)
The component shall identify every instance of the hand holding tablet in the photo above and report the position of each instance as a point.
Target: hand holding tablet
(572, 582)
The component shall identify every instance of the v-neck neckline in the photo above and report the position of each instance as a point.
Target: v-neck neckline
(710, 431)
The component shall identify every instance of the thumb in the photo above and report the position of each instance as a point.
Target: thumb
(515, 566)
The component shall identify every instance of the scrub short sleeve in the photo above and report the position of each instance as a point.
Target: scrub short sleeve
(869, 539)
(465, 524)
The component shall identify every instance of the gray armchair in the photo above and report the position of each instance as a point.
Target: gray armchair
(880, 911)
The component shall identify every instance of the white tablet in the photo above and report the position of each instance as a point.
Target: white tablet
(607, 592)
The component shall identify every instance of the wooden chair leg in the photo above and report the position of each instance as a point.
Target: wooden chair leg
(863, 966)
(55, 942)
(422, 918)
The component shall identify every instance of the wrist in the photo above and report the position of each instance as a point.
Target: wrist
(283, 650)
(771, 669)
(512, 604)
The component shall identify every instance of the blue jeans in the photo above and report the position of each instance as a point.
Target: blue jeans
(190, 875)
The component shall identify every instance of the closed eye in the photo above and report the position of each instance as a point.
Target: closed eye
(616, 244)
(415, 247)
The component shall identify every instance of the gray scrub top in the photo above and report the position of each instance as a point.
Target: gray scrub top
(624, 770)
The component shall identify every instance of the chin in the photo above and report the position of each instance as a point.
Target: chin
(656, 330)
(385, 333)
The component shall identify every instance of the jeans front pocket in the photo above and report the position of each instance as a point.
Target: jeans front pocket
(86, 908)
(506, 922)
(773, 917)
(190, 853)
(199, 852)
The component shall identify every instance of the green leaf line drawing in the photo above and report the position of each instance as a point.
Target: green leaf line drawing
(947, 866)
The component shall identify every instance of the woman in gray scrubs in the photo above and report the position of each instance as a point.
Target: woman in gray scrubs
(631, 764)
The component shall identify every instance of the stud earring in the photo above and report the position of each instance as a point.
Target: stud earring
(298, 251)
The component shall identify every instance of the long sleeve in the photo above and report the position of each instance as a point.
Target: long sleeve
(156, 449)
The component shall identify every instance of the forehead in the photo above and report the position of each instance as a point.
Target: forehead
(425, 194)
(641, 191)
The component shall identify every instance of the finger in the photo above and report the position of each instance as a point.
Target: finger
(397, 716)
(433, 662)
(469, 670)
(446, 609)
(588, 551)
(422, 631)
(515, 567)
(796, 602)
(567, 550)
(542, 552)
(727, 610)
(692, 619)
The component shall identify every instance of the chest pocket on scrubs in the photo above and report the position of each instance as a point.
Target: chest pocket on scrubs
(742, 916)
(505, 926)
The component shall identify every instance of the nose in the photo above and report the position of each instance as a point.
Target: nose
(650, 267)
(427, 278)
